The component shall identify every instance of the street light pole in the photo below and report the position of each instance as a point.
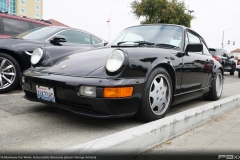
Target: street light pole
(223, 37)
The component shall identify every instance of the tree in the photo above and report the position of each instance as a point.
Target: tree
(161, 11)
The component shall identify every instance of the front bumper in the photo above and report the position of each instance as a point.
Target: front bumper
(66, 91)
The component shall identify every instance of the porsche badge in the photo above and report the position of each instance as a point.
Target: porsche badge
(64, 66)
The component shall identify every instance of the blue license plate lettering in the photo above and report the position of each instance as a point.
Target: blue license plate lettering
(45, 93)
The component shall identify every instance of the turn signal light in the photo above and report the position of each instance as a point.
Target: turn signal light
(117, 92)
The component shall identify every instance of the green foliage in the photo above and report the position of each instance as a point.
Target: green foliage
(161, 11)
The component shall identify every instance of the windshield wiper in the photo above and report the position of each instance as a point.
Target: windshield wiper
(163, 45)
(122, 42)
(144, 42)
(139, 42)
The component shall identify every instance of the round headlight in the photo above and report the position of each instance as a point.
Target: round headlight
(36, 56)
(115, 61)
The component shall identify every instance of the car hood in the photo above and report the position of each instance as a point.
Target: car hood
(19, 44)
(87, 61)
(79, 64)
(54, 54)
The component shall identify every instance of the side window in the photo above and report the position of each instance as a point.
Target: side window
(14, 27)
(95, 40)
(35, 25)
(224, 53)
(76, 37)
(205, 49)
(193, 39)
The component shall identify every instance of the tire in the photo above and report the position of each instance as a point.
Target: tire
(9, 73)
(233, 70)
(216, 89)
(238, 74)
(156, 101)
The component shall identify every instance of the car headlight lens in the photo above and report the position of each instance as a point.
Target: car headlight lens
(36, 56)
(115, 60)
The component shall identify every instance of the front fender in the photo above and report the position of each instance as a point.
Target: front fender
(20, 56)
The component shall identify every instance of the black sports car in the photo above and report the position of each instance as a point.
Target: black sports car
(15, 52)
(144, 71)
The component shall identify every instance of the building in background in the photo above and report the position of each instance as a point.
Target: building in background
(236, 53)
(28, 8)
(4, 6)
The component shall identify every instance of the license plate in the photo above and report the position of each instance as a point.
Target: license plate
(45, 93)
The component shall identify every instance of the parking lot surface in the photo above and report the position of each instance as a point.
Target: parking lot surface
(219, 136)
(32, 126)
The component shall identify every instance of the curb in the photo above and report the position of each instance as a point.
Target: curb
(139, 139)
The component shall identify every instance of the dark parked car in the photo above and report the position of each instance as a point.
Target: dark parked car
(238, 66)
(142, 72)
(223, 57)
(11, 25)
(15, 52)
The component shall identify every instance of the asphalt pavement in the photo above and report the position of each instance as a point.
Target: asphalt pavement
(31, 126)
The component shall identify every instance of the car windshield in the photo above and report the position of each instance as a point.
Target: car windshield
(159, 35)
(37, 33)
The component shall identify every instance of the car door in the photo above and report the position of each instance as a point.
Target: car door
(226, 56)
(208, 66)
(223, 57)
(193, 75)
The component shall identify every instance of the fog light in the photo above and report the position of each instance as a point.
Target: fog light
(88, 91)
(23, 79)
(119, 92)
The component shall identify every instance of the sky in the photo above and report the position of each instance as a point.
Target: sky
(212, 18)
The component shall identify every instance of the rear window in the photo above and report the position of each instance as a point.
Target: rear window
(36, 25)
(13, 27)
(213, 52)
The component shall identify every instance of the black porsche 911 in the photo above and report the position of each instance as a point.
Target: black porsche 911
(144, 71)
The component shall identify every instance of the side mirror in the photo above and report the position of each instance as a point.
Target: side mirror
(194, 47)
(58, 39)
(231, 56)
(105, 43)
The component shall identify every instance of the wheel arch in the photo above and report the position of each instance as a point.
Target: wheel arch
(171, 73)
(218, 68)
(221, 69)
(14, 55)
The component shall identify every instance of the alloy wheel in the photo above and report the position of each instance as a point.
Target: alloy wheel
(159, 94)
(7, 73)
(219, 84)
